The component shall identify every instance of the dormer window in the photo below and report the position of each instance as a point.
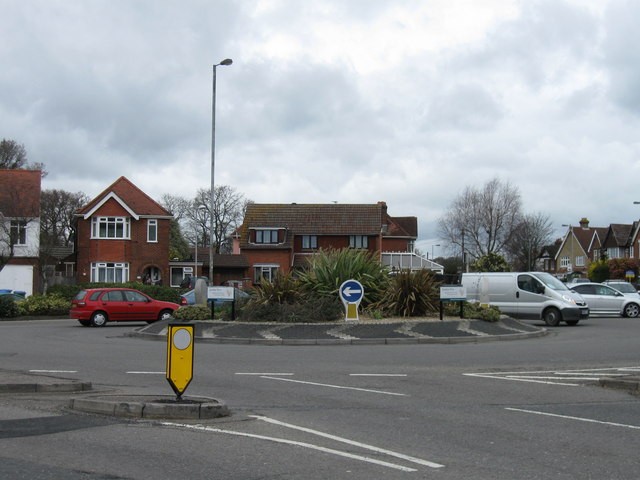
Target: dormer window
(110, 227)
(266, 236)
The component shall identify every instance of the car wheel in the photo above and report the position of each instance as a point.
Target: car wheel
(552, 317)
(98, 319)
(631, 310)
(84, 323)
(165, 315)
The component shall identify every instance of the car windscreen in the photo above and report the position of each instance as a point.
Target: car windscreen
(550, 281)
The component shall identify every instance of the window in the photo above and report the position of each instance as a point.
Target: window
(565, 262)
(152, 230)
(113, 296)
(614, 252)
(529, 284)
(106, 272)
(110, 227)
(268, 272)
(266, 236)
(310, 242)
(18, 232)
(131, 296)
(580, 261)
(178, 274)
(358, 241)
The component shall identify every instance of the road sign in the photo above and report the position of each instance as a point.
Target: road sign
(180, 356)
(451, 293)
(351, 293)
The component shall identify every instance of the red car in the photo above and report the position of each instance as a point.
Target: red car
(96, 306)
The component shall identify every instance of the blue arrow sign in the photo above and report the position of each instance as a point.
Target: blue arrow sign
(351, 291)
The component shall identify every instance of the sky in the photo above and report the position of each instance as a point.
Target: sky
(349, 101)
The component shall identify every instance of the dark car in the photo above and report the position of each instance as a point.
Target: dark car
(97, 306)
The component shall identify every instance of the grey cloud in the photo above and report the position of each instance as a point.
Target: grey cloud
(621, 56)
(463, 107)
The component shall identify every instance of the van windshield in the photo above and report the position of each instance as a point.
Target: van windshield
(550, 281)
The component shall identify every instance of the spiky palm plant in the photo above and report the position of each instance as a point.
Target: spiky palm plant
(330, 268)
(282, 289)
(411, 294)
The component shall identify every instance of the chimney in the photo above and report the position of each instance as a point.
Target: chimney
(584, 223)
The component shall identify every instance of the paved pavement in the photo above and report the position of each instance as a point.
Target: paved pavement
(449, 330)
(82, 398)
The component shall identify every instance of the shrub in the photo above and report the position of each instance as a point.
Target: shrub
(283, 289)
(8, 307)
(473, 310)
(157, 292)
(410, 294)
(491, 262)
(192, 312)
(330, 268)
(44, 305)
(310, 309)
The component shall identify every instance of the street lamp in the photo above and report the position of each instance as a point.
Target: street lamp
(432, 255)
(572, 240)
(225, 62)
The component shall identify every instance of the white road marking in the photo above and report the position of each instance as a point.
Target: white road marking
(147, 373)
(520, 379)
(568, 417)
(377, 374)
(558, 377)
(350, 442)
(53, 371)
(260, 374)
(334, 386)
(291, 442)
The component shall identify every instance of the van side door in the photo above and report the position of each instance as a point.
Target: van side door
(530, 297)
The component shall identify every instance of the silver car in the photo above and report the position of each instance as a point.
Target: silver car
(606, 300)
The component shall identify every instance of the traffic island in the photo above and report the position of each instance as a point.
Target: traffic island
(151, 406)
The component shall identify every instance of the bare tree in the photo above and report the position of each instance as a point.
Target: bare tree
(229, 207)
(482, 221)
(177, 205)
(534, 232)
(194, 216)
(57, 216)
(13, 156)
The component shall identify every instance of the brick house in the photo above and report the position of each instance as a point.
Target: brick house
(20, 230)
(580, 246)
(282, 237)
(123, 235)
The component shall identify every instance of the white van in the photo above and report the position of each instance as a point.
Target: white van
(527, 295)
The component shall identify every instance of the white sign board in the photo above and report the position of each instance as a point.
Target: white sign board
(220, 293)
(453, 292)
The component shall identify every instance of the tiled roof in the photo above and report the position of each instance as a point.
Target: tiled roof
(20, 193)
(224, 260)
(326, 219)
(316, 219)
(403, 227)
(619, 235)
(136, 199)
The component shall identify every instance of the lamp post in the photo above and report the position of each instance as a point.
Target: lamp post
(432, 255)
(225, 62)
(572, 240)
